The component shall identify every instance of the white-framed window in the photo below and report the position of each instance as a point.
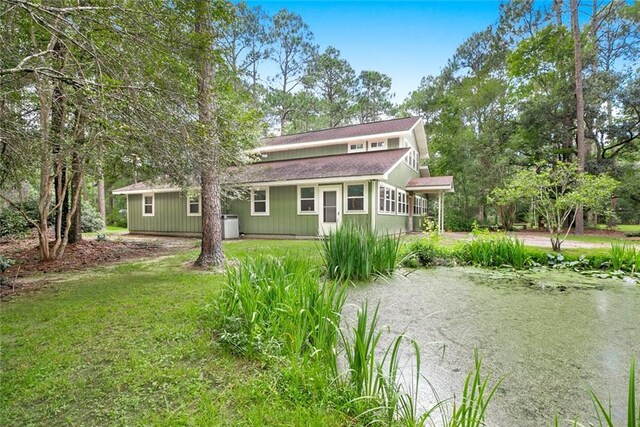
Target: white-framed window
(386, 199)
(357, 147)
(194, 205)
(307, 199)
(413, 159)
(148, 204)
(260, 201)
(356, 198)
(403, 205)
(377, 145)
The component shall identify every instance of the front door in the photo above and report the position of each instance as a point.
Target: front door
(330, 209)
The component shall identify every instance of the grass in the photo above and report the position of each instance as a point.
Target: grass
(130, 345)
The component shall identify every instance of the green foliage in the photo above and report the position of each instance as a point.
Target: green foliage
(279, 306)
(91, 220)
(12, 223)
(495, 251)
(5, 263)
(426, 251)
(358, 253)
(625, 257)
(117, 219)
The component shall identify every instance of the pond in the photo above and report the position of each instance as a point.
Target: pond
(551, 335)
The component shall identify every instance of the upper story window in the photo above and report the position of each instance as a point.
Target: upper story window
(386, 199)
(413, 159)
(356, 198)
(306, 200)
(148, 204)
(403, 205)
(194, 205)
(260, 202)
(357, 147)
(377, 145)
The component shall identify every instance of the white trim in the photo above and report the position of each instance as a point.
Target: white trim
(357, 150)
(322, 231)
(383, 147)
(365, 195)
(253, 212)
(374, 198)
(433, 189)
(392, 199)
(405, 204)
(189, 198)
(315, 200)
(287, 147)
(317, 181)
(392, 168)
(148, 190)
(153, 204)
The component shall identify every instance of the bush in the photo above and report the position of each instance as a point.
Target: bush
(455, 221)
(117, 219)
(91, 220)
(12, 223)
(5, 263)
(357, 253)
(425, 251)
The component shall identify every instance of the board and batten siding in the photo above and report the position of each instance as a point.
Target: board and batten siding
(170, 215)
(302, 153)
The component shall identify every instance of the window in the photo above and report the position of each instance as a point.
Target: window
(193, 205)
(387, 199)
(413, 159)
(260, 201)
(377, 145)
(306, 200)
(148, 204)
(419, 205)
(356, 147)
(356, 195)
(403, 206)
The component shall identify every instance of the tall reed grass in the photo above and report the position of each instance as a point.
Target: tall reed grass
(604, 413)
(495, 252)
(280, 303)
(358, 253)
(625, 257)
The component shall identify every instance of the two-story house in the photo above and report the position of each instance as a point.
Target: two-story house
(309, 184)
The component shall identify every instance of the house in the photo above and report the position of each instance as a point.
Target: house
(309, 184)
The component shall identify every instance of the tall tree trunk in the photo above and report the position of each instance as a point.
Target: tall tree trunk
(102, 210)
(77, 169)
(582, 151)
(211, 250)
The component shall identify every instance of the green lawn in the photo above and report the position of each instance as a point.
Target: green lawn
(625, 228)
(131, 345)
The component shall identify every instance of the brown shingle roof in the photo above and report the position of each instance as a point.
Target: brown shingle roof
(365, 129)
(431, 181)
(344, 165)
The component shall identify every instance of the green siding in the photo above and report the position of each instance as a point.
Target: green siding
(393, 143)
(170, 215)
(283, 218)
(400, 175)
(306, 152)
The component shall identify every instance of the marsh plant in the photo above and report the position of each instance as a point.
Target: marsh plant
(280, 305)
(625, 257)
(359, 253)
(496, 251)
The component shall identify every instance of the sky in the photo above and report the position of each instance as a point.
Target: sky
(406, 40)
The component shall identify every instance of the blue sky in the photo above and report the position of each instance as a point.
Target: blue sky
(403, 39)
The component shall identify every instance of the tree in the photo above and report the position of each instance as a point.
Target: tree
(293, 49)
(332, 79)
(373, 96)
(556, 192)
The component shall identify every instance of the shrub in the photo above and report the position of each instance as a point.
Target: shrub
(455, 221)
(91, 220)
(117, 219)
(5, 263)
(12, 223)
(425, 251)
(357, 253)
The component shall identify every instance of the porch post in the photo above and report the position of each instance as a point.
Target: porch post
(440, 212)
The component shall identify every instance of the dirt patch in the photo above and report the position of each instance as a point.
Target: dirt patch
(27, 273)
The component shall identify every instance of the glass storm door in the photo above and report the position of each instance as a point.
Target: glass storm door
(330, 209)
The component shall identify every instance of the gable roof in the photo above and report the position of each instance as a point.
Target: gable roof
(368, 164)
(344, 132)
(357, 166)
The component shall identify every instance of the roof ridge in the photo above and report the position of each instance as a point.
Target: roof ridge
(341, 127)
